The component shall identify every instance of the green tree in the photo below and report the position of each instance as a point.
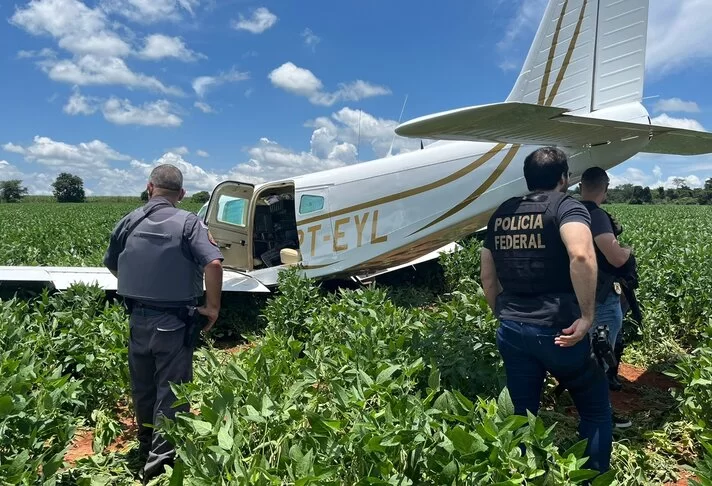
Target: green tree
(12, 191)
(68, 188)
(661, 193)
(144, 195)
(708, 184)
(200, 197)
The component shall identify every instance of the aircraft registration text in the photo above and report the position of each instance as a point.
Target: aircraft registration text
(363, 226)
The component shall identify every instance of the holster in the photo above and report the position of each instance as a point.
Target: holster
(193, 325)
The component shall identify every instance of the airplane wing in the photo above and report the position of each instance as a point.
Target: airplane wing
(532, 124)
(61, 278)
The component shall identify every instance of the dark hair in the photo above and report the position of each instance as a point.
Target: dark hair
(167, 176)
(544, 167)
(594, 179)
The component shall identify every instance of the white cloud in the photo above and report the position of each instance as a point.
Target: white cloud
(677, 35)
(524, 23)
(45, 52)
(9, 171)
(347, 125)
(693, 174)
(303, 82)
(96, 70)
(11, 147)
(657, 171)
(160, 46)
(80, 104)
(261, 20)
(310, 38)
(204, 107)
(77, 28)
(203, 83)
(684, 123)
(95, 42)
(676, 105)
(106, 171)
(149, 11)
(158, 113)
(182, 150)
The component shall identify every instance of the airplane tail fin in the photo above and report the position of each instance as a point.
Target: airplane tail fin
(586, 55)
(581, 85)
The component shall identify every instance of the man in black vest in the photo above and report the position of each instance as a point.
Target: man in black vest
(538, 273)
(612, 259)
(159, 254)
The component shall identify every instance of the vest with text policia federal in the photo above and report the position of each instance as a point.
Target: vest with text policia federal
(532, 262)
(154, 266)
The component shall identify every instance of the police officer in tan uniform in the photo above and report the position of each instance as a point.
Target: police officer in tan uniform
(538, 273)
(161, 255)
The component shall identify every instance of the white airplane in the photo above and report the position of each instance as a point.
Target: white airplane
(580, 89)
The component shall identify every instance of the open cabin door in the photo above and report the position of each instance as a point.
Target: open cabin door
(228, 218)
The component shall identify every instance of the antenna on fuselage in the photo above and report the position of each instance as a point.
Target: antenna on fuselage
(390, 150)
(358, 140)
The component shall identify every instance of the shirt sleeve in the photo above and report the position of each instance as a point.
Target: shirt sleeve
(200, 244)
(111, 257)
(600, 224)
(489, 237)
(572, 211)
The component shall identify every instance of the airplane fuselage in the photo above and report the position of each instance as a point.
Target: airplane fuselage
(387, 212)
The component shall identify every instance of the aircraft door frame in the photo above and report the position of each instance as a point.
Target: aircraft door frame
(232, 237)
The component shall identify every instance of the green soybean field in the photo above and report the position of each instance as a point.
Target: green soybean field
(399, 382)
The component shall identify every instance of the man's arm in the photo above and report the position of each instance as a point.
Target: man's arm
(584, 269)
(111, 257)
(206, 253)
(612, 250)
(213, 292)
(488, 275)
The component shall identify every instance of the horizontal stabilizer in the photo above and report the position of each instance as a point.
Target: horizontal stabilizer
(530, 124)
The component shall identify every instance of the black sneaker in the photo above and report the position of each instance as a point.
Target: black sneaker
(620, 422)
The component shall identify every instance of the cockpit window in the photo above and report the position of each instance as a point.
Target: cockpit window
(231, 210)
(309, 204)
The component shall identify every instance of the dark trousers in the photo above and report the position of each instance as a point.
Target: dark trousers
(157, 357)
(528, 352)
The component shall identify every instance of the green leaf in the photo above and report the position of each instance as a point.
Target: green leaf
(225, 440)
(386, 374)
(578, 449)
(6, 406)
(505, 404)
(201, 427)
(434, 379)
(178, 475)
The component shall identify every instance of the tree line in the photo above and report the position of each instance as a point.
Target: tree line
(67, 188)
(680, 194)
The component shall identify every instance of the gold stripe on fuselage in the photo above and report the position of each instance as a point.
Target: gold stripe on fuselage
(410, 192)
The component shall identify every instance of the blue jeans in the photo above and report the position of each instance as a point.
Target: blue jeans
(528, 352)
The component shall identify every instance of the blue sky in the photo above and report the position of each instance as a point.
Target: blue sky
(254, 91)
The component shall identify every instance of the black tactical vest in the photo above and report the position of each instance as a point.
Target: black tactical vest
(532, 262)
(607, 273)
(154, 266)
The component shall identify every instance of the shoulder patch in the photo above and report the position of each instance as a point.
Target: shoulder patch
(211, 239)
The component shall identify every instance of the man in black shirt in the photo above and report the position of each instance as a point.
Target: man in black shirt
(538, 273)
(611, 257)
